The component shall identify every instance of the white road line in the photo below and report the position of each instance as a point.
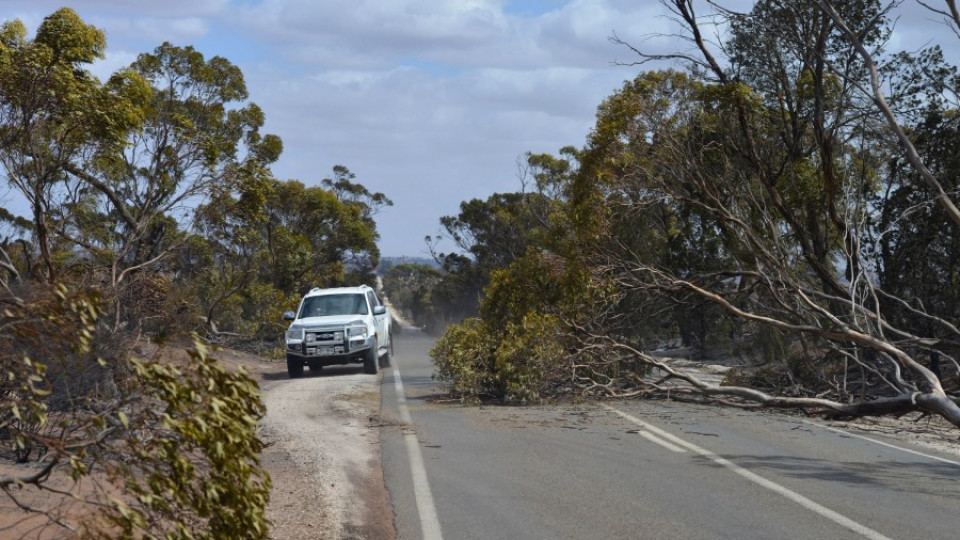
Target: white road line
(429, 522)
(669, 446)
(881, 443)
(809, 504)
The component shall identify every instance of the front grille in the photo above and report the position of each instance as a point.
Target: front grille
(324, 336)
(325, 341)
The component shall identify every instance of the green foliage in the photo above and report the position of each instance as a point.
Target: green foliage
(530, 359)
(464, 357)
(516, 352)
(199, 474)
(70, 38)
(523, 364)
(169, 447)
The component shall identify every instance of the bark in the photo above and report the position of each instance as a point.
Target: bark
(880, 100)
(7, 266)
(929, 402)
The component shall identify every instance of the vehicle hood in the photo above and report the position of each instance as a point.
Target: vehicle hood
(332, 320)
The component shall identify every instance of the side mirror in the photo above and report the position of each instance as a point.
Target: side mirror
(379, 310)
(289, 316)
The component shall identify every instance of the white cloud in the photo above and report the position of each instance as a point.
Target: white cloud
(399, 26)
(153, 29)
(114, 61)
(477, 33)
(428, 101)
(173, 8)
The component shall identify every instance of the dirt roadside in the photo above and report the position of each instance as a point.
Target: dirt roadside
(323, 451)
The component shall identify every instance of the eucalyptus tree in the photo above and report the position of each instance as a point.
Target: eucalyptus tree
(354, 241)
(113, 171)
(778, 145)
(198, 137)
(265, 247)
(51, 110)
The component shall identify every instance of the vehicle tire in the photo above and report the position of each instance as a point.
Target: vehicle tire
(294, 366)
(387, 356)
(371, 364)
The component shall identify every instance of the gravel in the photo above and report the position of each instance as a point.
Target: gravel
(323, 451)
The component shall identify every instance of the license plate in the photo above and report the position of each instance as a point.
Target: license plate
(326, 350)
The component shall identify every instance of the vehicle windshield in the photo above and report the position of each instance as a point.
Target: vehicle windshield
(334, 304)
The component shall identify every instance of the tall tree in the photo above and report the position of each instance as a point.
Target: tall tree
(51, 109)
(195, 139)
(284, 237)
(777, 153)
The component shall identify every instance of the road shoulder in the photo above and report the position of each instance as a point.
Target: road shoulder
(323, 451)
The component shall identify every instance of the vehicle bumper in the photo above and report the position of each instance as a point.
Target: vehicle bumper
(334, 354)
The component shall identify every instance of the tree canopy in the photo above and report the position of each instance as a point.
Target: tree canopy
(786, 196)
(153, 216)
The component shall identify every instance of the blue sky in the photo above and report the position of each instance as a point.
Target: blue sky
(428, 101)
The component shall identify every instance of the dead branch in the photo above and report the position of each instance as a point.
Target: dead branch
(36, 478)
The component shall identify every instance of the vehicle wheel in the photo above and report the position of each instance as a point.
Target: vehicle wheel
(294, 366)
(371, 363)
(387, 356)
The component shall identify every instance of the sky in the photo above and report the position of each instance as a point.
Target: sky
(431, 102)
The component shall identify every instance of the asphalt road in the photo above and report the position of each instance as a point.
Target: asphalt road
(643, 470)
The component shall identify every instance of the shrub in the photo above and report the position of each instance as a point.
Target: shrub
(516, 352)
(464, 357)
(529, 360)
(518, 366)
(153, 448)
(198, 473)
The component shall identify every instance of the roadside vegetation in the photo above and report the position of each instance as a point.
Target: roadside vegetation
(787, 197)
(154, 219)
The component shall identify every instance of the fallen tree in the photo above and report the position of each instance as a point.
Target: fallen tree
(782, 168)
(763, 201)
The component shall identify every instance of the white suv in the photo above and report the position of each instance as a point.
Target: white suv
(344, 325)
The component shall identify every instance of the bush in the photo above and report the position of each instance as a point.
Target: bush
(516, 352)
(530, 359)
(519, 366)
(198, 474)
(158, 448)
(464, 357)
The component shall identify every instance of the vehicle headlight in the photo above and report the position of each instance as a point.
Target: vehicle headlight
(357, 329)
(295, 333)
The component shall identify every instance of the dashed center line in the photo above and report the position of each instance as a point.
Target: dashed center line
(653, 438)
(809, 504)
